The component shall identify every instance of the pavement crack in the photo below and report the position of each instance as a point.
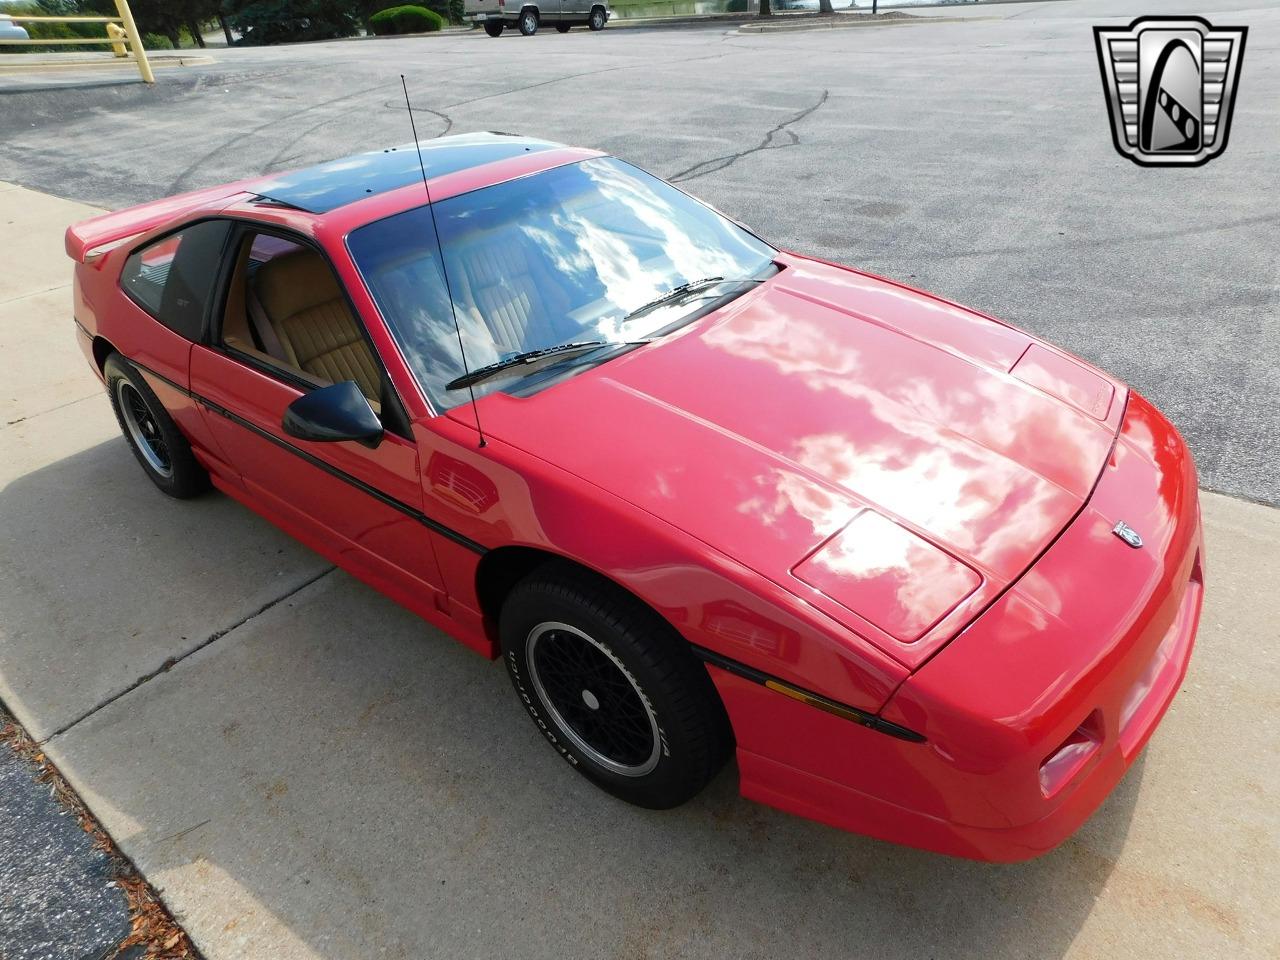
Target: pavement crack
(280, 159)
(1096, 243)
(182, 833)
(33, 293)
(172, 662)
(715, 164)
(540, 83)
(419, 108)
(40, 413)
(178, 181)
(586, 73)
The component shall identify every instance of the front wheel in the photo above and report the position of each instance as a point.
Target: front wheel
(154, 438)
(493, 28)
(529, 23)
(614, 688)
(597, 20)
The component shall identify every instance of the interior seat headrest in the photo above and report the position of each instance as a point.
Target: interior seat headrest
(292, 282)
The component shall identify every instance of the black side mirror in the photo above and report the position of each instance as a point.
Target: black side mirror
(336, 412)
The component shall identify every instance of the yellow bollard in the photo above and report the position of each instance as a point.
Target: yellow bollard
(135, 40)
(117, 36)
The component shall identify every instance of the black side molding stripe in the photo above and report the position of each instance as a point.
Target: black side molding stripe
(406, 509)
(163, 379)
(816, 700)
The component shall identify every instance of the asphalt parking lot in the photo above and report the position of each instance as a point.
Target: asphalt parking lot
(972, 159)
(317, 774)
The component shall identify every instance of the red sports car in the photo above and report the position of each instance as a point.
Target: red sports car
(933, 579)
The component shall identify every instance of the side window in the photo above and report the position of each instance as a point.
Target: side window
(172, 279)
(285, 309)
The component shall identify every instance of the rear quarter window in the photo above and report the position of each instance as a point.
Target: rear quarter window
(172, 279)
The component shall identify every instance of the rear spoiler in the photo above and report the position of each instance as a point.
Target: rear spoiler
(87, 236)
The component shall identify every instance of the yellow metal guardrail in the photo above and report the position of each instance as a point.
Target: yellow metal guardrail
(122, 33)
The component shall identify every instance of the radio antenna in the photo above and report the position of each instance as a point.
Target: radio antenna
(475, 412)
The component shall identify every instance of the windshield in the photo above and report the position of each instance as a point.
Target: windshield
(562, 256)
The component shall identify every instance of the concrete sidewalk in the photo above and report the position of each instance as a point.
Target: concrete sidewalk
(321, 775)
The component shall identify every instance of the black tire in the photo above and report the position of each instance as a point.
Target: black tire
(493, 27)
(563, 27)
(156, 442)
(528, 22)
(597, 19)
(650, 728)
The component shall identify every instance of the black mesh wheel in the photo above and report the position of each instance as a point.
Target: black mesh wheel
(156, 441)
(613, 687)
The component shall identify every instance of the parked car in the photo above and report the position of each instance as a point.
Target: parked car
(933, 579)
(10, 30)
(497, 15)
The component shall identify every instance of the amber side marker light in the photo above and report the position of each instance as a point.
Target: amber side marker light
(843, 711)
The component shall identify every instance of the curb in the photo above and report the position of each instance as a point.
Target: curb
(171, 61)
(843, 23)
(452, 30)
(709, 19)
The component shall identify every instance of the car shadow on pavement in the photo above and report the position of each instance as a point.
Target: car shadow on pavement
(335, 778)
(102, 579)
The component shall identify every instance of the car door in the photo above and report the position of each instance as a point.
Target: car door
(167, 284)
(283, 327)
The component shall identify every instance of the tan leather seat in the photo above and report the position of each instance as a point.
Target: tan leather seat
(308, 313)
(508, 292)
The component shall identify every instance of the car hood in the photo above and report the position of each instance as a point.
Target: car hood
(889, 457)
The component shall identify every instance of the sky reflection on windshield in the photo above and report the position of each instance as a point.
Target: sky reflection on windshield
(561, 256)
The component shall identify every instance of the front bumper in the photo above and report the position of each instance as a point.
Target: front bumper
(1033, 714)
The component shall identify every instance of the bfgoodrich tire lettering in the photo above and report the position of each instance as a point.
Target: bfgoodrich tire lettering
(154, 438)
(613, 688)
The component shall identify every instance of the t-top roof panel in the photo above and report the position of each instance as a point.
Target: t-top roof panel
(328, 186)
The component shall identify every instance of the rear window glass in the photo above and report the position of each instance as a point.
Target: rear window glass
(172, 279)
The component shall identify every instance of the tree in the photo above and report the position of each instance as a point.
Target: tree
(364, 9)
(263, 22)
(825, 8)
(765, 9)
(168, 17)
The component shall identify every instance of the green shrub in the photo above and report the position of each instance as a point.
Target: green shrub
(405, 19)
(156, 41)
(451, 10)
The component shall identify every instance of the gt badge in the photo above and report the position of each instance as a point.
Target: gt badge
(1129, 535)
(1170, 85)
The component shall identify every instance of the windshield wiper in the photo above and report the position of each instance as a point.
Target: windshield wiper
(675, 293)
(530, 356)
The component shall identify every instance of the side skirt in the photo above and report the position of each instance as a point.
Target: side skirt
(349, 560)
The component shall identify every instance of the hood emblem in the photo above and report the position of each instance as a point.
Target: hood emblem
(1129, 535)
